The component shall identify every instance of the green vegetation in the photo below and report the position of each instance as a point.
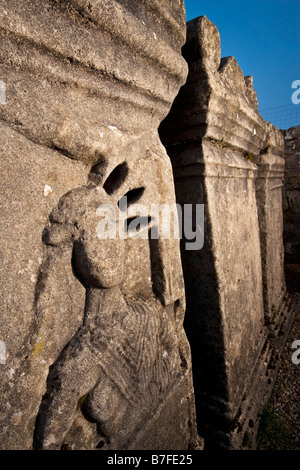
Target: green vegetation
(272, 432)
(81, 401)
(248, 156)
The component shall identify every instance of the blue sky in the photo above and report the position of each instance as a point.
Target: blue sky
(264, 37)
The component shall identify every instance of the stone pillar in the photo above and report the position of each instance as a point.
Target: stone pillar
(291, 196)
(90, 327)
(219, 145)
(269, 183)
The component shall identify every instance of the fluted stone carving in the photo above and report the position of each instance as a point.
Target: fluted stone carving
(96, 353)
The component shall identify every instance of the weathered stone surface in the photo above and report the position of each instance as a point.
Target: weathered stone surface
(92, 328)
(291, 195)
(226, 157)
(269, 183)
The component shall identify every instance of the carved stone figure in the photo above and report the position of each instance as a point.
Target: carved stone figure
(124, 356)
(87, 84)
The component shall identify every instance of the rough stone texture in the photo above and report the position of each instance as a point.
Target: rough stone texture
(226, 157)
(291, 196)
(269, 183)
(285, 399)
(95, 352)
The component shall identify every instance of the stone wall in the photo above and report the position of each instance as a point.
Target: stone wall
(93, 351)
(291, 196)
(226, 157)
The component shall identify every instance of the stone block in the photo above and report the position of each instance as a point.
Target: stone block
(226, 157)
(92, 328)
(291, 196)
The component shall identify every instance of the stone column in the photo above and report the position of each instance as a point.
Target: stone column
(291, 196)
(219, 144)
(269, 183)
(90, 327)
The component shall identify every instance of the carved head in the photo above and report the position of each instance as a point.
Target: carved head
(100, 230)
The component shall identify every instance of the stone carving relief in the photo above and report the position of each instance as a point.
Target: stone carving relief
(124, 356)
(96, 354)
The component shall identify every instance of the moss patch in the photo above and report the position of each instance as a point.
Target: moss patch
(272, 432)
